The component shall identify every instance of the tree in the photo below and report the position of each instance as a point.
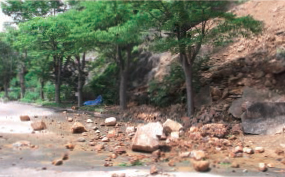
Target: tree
(22, 11)
(8, 62)
(189, 24)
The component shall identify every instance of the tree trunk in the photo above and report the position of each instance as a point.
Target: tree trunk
(58, 81)
(123, 90)
(6, 90)
(22, 81)
(187, 67)
(42, 90)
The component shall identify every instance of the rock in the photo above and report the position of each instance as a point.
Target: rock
(70, 146)
(92, 143)
(262, 167)
(25, 118)
(248, 150)
(146, 137)
(173, 125)
(114, 156)
(111, 133)
(65, 156)
(111, 121)
(203, 97)
(174, 135)
(214, 129)
(20, 144)
(270, 165)
(130, 130)
(184, 154)
(153, 170)
(279, 152)
(235, 165)
(105, 139)
(238, 149)
(236, 108)
(64, 112)
(89, 121)
(194, 129)
(37, 126)
(237, 129)
(118, 175)
(156, 154)
(57, 162)
(81, 139)
(99, 147)
(201, 166)
(95, 128)
(78, 127)
(259, 149)
(198, 154)
(84, 134)
(97, 131)
(69, 119)
(119, 150)
(216, 93)
(186, 122)
(264, 118)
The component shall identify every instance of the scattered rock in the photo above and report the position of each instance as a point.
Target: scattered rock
(173, 125)
(84, 134)
(184, 154)
(92, 143)
(89, 121)
(198, 154)
(78, 127)
(194, 129)
(114, 156)
(153, 170)
(81, 139)
(105, 139)
(279, 152)
(112, 133)
(262, 167)
(25, 118)
(214, 129)
(146, 137)
(65, 156)
(248, 150)
(57, 162)
(118, 175)
(95, 128)
(238, 149)
(70, 146)
(235, 165)
(201, 166)
(119, 150)
(99, 147)
(69, 119)
(37, 126)
(111, 121)
(130, 130)
(259, 149)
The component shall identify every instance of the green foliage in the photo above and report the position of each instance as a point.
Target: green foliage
(14, 93)
(170, 90)
(105, 84)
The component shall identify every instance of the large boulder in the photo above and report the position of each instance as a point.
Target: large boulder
(264, 118)
(147, 137)
(172, 125)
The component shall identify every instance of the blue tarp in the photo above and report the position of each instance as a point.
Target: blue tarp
(97, 101)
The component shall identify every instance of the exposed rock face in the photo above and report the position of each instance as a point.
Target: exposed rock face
(78, 127)
(111, 121)
(37, 126)
(264, 118)
(25, 118)
(173, 125)
(146, 138)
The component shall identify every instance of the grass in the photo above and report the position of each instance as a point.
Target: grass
(136, 163)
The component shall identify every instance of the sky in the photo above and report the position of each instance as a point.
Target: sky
(3, 18)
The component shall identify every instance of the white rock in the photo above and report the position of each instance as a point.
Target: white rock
(89, 121)
(174, 135)
(105, 139)
(130, 130)
(111, 121)
(259, 149)
(173, 125)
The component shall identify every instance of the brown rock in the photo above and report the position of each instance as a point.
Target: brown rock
(193, 129)
(65, 156)
(153, 170)
(173, 125)
(198, 154)
(25, 118)
(111, 133)
(146, 137)
(69, 119)
(114, 156)
(78, 127)
(70, 146)
(105, 139)
(99, 147)
(201, 166)
(235, 165)
(262, 167)
(156, 154)
(57, 162)
(214, 129)
(186, 122)
(119, 150)
(37, 126)
(259, 149)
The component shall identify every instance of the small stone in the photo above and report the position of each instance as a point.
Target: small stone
(69, 119)
(173, 125)
(111, 133)
(70, 146)
(37, 126)
(64, 112)
(270, 165)
(89, 121)
(111, 121)
(153, 170)
(25, 118)
(81, 139)
(279, 152)
(57, 162)
(235, 165)
(119, 150)
(238, 149)
(114, 156)
(130, 130)
(184, 154)
(248, 150)
(65, 156)
(78, 127)
(95, 128)
(156, 154)
(97, 131)
(262, 167)
(201, 166)
(105, 139)
(92, 143)
(99, 147)
(198, 154)
(35, 116)
(244, 171)
(118, 175)
(259, 149)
